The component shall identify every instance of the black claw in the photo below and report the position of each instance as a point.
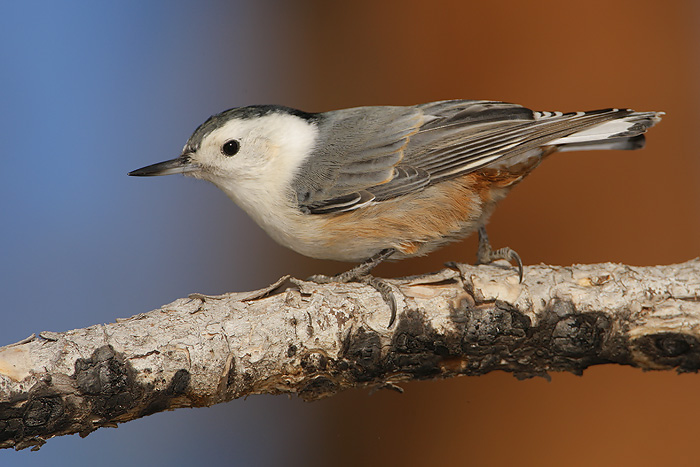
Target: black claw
(516, 257)
(392, 305)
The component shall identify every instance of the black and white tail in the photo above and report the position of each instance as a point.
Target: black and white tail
(620, 129)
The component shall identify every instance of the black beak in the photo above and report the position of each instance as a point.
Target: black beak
(174, 166)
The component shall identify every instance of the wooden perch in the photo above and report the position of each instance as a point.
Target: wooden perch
(315, 340)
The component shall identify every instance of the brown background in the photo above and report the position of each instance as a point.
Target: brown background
(639, 208)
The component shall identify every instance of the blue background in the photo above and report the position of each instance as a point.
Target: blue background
(90, 91)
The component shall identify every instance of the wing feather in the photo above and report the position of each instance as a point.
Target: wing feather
(370, 154)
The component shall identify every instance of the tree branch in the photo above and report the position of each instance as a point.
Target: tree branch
(316, 340)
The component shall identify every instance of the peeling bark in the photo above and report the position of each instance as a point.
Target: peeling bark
(315, 340)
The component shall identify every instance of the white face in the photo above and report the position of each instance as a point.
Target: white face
(270, 150)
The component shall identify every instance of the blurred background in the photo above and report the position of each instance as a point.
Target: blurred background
(91, 90)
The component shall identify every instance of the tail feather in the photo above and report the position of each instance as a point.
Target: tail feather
(617, 144)
(624, 132)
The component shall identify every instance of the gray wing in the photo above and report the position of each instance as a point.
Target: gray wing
(362, 150)
(377, 153)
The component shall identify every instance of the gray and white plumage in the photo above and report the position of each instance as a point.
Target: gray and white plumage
(413, 147)
(348, 183)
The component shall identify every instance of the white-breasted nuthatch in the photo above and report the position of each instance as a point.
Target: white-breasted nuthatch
(366, 183)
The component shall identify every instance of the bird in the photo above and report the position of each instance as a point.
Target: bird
(367, 184)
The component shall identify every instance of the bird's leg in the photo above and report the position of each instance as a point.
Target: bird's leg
(361, 274)
(486, 255)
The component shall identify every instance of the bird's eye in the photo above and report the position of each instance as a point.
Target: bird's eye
(230, 147)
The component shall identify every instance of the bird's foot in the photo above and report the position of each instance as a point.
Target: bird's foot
(486, 254)
(361, 274)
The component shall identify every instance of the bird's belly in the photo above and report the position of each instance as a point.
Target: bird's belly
(414, 224)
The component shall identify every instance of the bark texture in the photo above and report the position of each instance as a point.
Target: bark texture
(315, 340)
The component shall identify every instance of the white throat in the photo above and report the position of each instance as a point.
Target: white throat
(266, 194)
